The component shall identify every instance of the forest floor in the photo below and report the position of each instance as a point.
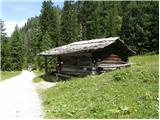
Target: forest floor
(19, 98)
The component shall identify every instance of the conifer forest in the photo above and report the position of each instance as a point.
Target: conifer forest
(136, 22)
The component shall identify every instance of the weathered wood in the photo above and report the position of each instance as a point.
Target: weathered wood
(75, 72)
(85, 46)
(114, 65)
(76, 66)
(111, 62)
(108, 69)
(62, 75)
(46, 64)
(94, 71)
(90, 56)
(116, 59)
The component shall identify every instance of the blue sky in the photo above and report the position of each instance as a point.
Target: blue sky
(18, 11)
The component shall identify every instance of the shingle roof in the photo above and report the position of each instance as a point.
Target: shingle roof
(82, 46)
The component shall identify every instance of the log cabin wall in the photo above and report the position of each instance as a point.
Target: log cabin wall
(76, 64)
(107, 58)
(112, 55)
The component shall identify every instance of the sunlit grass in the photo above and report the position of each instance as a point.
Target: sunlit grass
(8, 74)
(125, 93)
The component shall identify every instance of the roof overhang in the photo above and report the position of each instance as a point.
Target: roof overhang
(86, 45)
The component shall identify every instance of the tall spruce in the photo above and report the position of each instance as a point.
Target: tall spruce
(16, 50)
(50, 24)
(115, 19)
(69, 23)
(137, 26)
(136, 22)
(5, 49)
(110, 18)
(153, 26)
(89, 18)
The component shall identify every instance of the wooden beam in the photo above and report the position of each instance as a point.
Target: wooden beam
(46, 64)
(62, 75)
(94, 71)
(114, 65)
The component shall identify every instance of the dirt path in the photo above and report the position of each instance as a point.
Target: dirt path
(18, 97)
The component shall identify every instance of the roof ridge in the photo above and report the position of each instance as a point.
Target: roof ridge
(95, 40)
(80, 46)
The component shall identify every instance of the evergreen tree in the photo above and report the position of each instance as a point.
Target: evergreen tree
(5, 49)
(137, 26)
(110, 19)
(89, 18)
(16, 50)
(32, 42)
(115, 20)
(46, 42)
(69, 23)
(136, 22)
(152, 9)
(3, 34)
(50, 22)
(104, 19)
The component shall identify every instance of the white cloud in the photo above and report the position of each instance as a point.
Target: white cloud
(10, 26)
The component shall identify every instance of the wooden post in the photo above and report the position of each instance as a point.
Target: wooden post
(46, 65)
(59, 64)
(94, 70)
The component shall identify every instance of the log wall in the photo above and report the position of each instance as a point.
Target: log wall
(108, 58)
(111, 57)
(76, 65)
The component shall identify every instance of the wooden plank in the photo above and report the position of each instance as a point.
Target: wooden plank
(106, 69)
(46, 64)
(75, 73)
(76, 66)
(114, 55)
(73, 70)
(113, 65)
(111, 62)
(118, 59)
(62, 75)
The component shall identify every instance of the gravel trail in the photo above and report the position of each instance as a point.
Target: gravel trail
(19, 98)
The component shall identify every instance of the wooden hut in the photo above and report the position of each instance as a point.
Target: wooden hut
(90, 56)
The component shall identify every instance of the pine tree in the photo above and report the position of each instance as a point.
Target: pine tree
(137, 26)
(5, 49)
(89, 17)
(115, 20)
(46, 42)
(50, 22)
(32, 40)
(152, 9)
(16, 50)
(69, 23)
(3, 34)
(110, 18)
(104, 19)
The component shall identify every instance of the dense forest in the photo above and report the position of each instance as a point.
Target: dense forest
(137, 23)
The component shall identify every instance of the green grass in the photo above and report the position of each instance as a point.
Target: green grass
(38, 77)
(125, 93)
(8, 74)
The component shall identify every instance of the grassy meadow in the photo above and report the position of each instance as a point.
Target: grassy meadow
(8, 74)
(125, 93)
